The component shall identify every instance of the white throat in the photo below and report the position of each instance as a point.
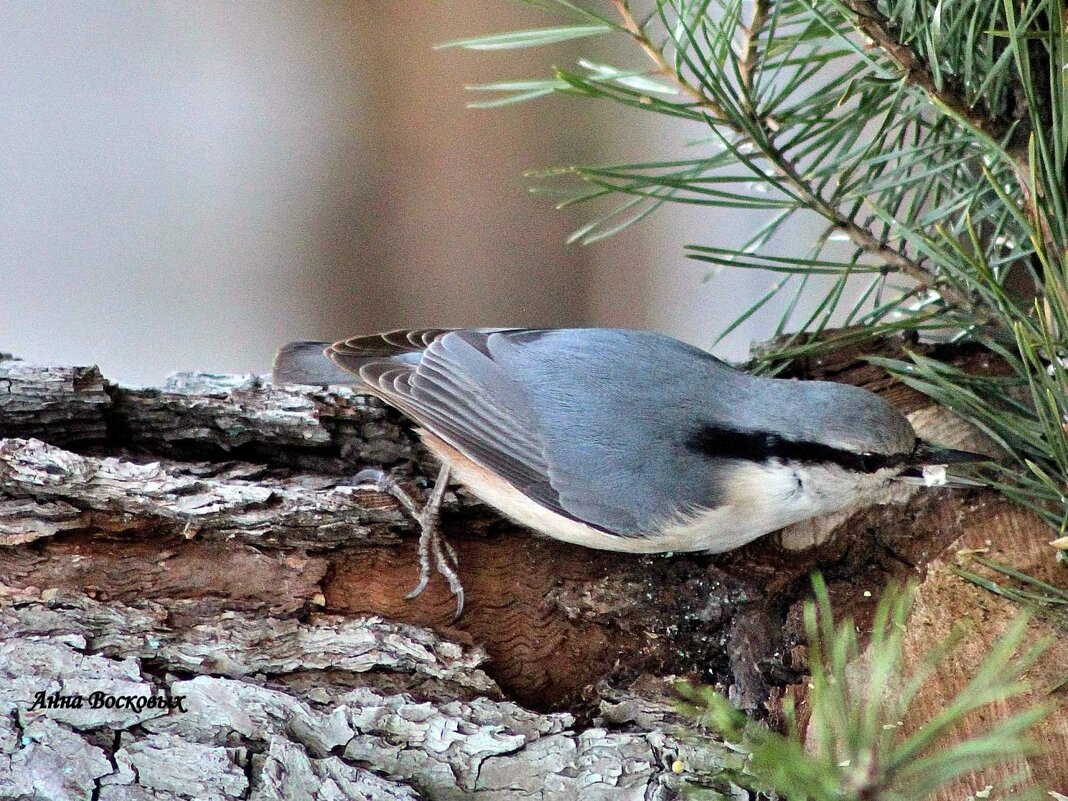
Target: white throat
(762, 498)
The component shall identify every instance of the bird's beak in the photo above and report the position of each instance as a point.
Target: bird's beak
(927, 454)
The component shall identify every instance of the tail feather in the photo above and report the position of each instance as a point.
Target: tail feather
(306, 362)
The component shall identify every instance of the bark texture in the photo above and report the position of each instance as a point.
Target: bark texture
(199, 542)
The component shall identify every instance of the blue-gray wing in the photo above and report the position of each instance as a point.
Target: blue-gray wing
(447, 381)
(564, 416)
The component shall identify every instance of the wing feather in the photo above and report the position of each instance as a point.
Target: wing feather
(448, 382)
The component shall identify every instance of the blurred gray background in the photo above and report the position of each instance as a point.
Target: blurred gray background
(187, 186)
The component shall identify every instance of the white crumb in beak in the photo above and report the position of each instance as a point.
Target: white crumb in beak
(934, 475)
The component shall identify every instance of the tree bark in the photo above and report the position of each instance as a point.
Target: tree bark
(199, 542)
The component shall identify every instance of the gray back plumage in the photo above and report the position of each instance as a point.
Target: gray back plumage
(599, 424)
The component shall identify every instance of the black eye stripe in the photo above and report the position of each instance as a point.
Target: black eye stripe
(719, 442)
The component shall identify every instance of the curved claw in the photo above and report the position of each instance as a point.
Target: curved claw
(371, 478)
(459, 592)
(442, 551)
(415, 592)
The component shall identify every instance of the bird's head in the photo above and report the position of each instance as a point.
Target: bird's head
(847, 426)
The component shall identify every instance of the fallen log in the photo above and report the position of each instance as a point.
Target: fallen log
(200, 541)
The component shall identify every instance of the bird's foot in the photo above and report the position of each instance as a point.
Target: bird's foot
(432, 544)
(375, 480)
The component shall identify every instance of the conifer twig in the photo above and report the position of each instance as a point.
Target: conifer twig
(879, 30)
(863, 238)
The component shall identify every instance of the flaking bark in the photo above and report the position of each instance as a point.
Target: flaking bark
(200, 541)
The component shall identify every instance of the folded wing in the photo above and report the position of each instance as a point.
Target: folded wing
(449, 383)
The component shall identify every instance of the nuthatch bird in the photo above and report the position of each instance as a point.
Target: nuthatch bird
(618, 440)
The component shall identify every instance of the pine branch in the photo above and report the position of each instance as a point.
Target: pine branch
(663, 68)
(749, 48)
(937, 151)
(863, 238)
(880, 31)
(850, 749)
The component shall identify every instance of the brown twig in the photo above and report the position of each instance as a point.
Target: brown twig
(749, 51)
(664, 69)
